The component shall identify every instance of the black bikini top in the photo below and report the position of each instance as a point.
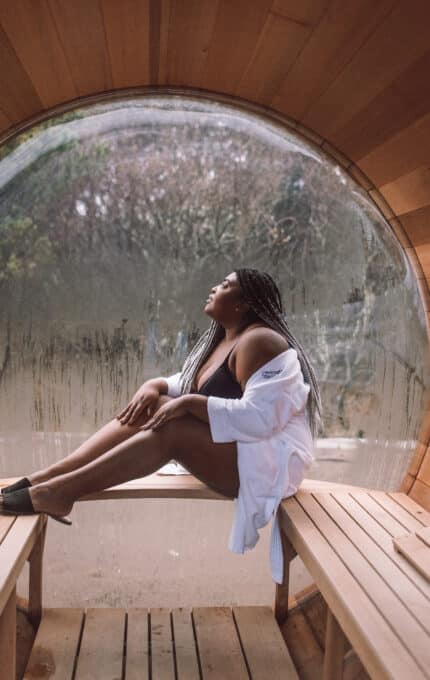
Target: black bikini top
(222, 383)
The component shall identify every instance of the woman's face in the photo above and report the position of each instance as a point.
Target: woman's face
(224, 298)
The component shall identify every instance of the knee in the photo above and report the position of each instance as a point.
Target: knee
(173, 435)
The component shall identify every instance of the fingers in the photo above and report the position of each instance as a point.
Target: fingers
(134, 409)
(131, 412)
(134, 413)
(156, 421)
(123, 412)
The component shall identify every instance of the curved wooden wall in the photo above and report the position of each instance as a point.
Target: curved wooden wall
(351, 76)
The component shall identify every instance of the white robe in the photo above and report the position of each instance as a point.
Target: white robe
(274, 444)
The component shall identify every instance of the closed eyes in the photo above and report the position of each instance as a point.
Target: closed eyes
(223, 284)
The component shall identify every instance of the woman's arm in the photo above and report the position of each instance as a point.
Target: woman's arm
(262, 410)
(197, 406)
(160, 384)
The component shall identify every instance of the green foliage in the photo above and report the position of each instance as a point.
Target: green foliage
(33, 131)
(24, 249)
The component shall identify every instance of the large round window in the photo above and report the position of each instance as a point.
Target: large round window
(116, 219)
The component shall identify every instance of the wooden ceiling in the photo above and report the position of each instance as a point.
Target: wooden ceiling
(352, 75)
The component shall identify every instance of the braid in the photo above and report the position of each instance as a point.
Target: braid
(264, 298)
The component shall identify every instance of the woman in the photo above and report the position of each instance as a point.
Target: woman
(194, 416)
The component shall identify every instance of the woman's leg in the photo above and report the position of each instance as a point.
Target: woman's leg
(186, 439)
(103, 440)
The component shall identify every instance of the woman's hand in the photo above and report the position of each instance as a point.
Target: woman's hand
(146, 398)
(175, 408)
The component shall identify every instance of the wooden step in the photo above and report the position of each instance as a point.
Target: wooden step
(212, 643)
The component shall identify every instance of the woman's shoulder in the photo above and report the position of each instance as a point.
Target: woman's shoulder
(262, 338)
(255, 348)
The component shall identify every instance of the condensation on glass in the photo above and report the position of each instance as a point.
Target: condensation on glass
(117, 218)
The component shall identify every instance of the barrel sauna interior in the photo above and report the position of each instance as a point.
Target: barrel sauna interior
(351, 77)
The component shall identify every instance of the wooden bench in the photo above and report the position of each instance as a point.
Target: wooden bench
(21, 539)
(157, 643)
(375, 596)
(344, 534)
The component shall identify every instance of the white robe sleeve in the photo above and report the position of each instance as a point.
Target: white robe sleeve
(173, 385)
(254, 417)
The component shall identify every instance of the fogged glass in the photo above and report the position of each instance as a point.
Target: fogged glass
(116, 219)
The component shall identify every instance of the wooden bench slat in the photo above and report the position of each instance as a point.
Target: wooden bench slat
(158, 486)
(219, 648)
(265, 650)
(424, 535)
(178, 486)
(101, 652)
(185, 486)
(417, 552)
(137, 659)
(311, 485)
(55, 646)
(379, 513)
(5, 481)
(162, 658)
(6, 523)
(357, 505)
(420, 513)
(409, 520)
(344, 513)
(377, 645)
(343, 534)
(14, 551)
(185, 645)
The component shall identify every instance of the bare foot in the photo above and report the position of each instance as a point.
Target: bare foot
(49, 500)
(38, 478)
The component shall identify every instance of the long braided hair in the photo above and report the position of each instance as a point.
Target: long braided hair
(264, 299)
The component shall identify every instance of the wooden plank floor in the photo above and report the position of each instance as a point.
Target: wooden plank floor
(205, 643)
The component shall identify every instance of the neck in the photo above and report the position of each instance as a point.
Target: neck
(234, 330)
